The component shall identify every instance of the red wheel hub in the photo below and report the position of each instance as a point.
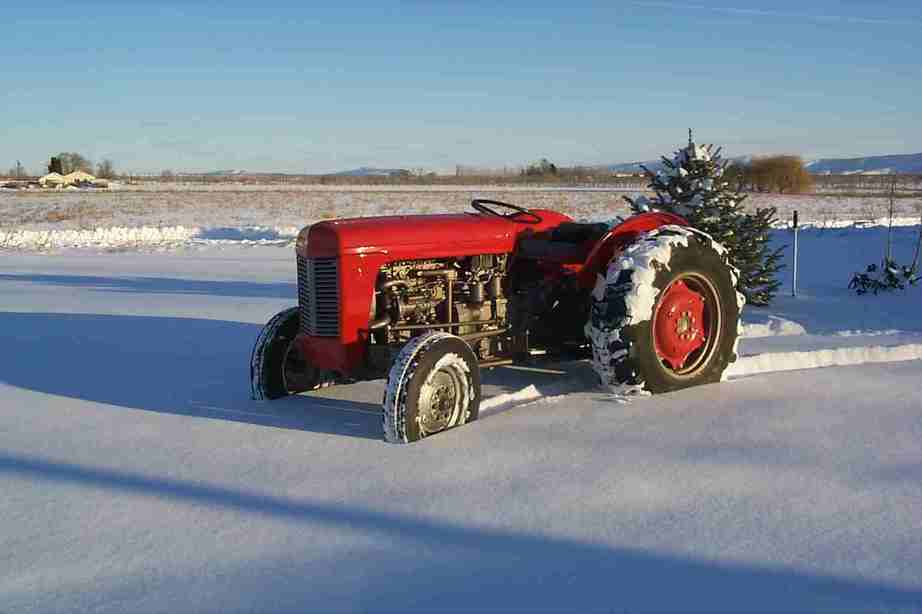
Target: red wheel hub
(680, 326)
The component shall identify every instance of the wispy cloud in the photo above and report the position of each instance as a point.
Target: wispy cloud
(756, 12)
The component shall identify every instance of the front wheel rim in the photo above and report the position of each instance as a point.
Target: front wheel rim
(442, 399)
(687, 325)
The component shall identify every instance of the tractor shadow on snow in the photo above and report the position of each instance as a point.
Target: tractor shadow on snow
(188, 367)
(163, 285)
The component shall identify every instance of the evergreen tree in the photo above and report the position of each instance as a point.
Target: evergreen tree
(55, 166)
(692, 185)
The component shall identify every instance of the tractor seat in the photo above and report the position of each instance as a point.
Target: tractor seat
(576, 232)
(552, 251)
(569, 243)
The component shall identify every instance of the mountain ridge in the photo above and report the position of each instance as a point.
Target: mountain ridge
(868, 165)
(885, 164)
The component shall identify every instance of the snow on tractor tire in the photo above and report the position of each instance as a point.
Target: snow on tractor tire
(434, 385)
(274, 359)
(427, 301)
(277, 368)
(666, 315)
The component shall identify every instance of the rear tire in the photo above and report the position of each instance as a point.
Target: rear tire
(667, 314)
(277, 368)
(433, 385)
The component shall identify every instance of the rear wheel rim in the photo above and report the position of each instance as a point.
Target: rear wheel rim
(686, 325)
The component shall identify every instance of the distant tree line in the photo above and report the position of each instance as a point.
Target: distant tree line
(17, 172)
(778, 174)
(905, 184)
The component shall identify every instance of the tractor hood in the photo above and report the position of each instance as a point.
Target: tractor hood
(420, 236)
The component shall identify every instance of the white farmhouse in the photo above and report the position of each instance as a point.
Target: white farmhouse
(52, 180)
(78, 177)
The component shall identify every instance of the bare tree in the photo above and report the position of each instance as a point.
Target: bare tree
(68, 162)
(738, 175)
(542, 167)
(914, 267)
(889, 255)
(106, 169)
(779, 174)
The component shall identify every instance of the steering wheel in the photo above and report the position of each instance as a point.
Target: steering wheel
(530, 217)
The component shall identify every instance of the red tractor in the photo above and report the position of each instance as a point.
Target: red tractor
(428, 300)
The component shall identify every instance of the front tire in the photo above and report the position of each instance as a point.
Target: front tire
(277, 368)
(667, 314)
(433, 385)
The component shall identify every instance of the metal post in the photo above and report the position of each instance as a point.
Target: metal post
(794, 281)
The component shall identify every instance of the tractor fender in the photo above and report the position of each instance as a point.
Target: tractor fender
(620, 237)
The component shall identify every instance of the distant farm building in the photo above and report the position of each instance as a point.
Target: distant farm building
(76, 178)
(51, 180)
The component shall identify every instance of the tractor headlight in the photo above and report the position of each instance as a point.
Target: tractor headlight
(301, 243)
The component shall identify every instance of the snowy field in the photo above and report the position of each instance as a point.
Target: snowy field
(167, 219)
(138, 476)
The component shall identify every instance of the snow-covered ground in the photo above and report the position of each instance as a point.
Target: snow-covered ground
(138, 476)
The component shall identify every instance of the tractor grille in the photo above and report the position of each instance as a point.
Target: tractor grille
(318, 296)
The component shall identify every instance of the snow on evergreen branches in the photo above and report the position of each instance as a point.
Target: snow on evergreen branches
(691, 185)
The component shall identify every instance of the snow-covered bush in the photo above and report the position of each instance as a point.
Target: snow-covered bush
(889, 276)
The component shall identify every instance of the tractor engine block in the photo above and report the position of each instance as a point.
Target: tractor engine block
(465, 296)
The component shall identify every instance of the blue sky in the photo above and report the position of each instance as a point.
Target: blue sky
(299, 87)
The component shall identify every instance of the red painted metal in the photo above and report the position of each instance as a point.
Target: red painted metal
(364, 245)
(679, 324)
(426, 236)
(330, 353)
(620, 237)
